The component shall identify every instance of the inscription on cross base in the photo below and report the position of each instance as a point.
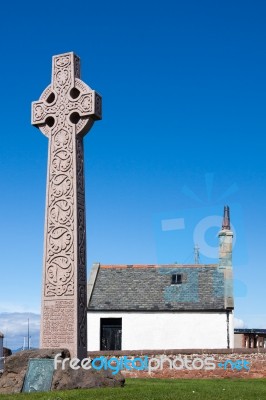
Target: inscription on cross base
(64, 113)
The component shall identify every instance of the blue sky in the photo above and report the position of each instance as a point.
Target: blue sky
(183, 133)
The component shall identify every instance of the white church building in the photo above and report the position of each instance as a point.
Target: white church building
(163, 307)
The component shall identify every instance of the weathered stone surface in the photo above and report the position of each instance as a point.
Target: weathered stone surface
(79, 379)
(64, 113)
(16, 368)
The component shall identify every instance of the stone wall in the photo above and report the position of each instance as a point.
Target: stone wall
(227, 363)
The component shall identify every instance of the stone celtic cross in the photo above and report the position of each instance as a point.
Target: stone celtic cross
(65, 112)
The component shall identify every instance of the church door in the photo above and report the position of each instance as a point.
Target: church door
(111, 333)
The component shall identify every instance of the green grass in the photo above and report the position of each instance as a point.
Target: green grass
(162, 389)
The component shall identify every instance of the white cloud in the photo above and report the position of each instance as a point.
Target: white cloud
(17, 308)
(15, 327)
(239, 323)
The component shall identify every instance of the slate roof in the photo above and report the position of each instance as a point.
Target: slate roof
(150, 288)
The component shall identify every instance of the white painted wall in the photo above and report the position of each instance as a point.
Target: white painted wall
(165, 330)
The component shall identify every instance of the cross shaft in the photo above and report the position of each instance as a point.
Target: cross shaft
(65, 112)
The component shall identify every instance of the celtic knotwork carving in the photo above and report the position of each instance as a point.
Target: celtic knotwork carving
(60, 239)
(60, 185)
(39, 112)
(61, 160)
(76, 67)
(62, 77)
(82, 320)
(60, 276)
(65, 112)
(81, 236)
(80, 167)
(59, 290)
(81, 213)
(61, 138)
(87, 102)
(61, 211)
(62, 61)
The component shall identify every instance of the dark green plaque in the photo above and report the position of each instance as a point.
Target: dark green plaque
(39, 375)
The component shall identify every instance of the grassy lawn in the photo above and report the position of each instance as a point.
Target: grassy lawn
(161, 389)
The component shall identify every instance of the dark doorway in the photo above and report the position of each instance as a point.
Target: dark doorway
(111, 333)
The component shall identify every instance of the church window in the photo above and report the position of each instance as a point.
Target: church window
(176, 279)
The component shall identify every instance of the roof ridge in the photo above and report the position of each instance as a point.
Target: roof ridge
(124, 266)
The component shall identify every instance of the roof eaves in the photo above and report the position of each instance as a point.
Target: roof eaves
(92, 280)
